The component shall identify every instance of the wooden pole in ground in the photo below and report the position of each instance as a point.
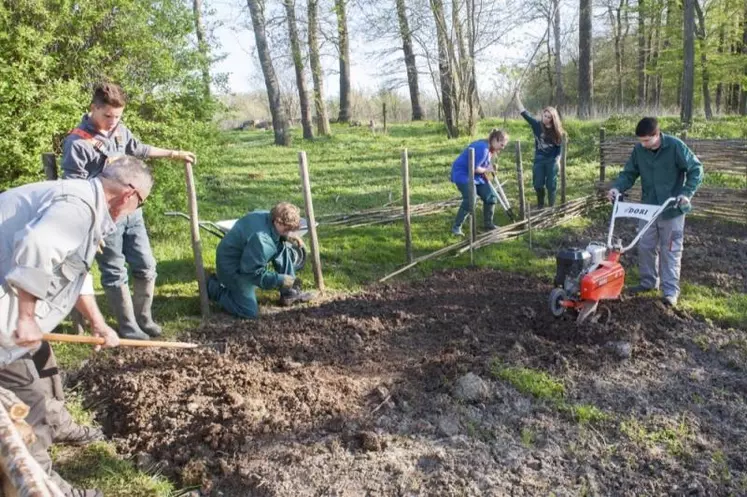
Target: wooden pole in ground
(563, 163)
(49, 162)
(471, 186)
(194, 221)
(602, 134)
(406, 204)
(316, 260)
(529, 224)
(520, 180)
(383, 111)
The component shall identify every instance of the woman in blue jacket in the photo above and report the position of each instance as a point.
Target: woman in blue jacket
(484, 151)
(548, 136)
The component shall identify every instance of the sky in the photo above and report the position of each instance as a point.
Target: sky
(244, 74)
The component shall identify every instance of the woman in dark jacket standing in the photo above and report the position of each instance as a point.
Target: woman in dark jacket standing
(548, 136)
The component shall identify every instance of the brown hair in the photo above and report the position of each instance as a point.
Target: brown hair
(497, 134)
(555, 131)
(286, 214)
(108, 94)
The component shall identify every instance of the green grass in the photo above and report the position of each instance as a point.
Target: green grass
(350, 171)
(531, 382)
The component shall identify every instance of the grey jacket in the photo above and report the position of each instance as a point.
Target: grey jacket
(49, 234)
(83, 158)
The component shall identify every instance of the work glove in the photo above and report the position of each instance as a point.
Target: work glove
(183, 155)
(683, 201)
(288, 280)
(296, 240)
(613, 194)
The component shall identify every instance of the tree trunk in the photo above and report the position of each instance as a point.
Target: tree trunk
(279, 119)
(444, 69)
(549, 64)
(322, 119)
(411, 66)
(585, 67)
(471, 42)
(462, 71)
(688, 80)
(720, 86)
(344, 46)
(705, 76)
(655, 90)
(617, 33)
(303, 94)
(202, 47)
(641, 94)
(743, 92)
(559, 91)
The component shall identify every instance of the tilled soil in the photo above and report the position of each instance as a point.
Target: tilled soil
(418, 389)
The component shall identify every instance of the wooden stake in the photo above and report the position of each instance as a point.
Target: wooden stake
(563, 163)
(196, 242)
(306, 186)
(529, 224)
(406, 204)
(520, 181)
(602, 134)
(471, 182)
(383, 111)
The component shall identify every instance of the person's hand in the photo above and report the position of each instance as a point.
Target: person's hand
(28, 334)
(296, 240)
(613, 194)
(183, 155)
(288, 280)
(103, 330)
(683, 201)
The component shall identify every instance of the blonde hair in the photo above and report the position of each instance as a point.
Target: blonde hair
(556, 131)
(286, 214)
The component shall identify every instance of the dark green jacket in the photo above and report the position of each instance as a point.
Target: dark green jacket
(248, 248)
(670, 171)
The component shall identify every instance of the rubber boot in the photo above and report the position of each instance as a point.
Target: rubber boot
(540, 199)
(488, 212)
(120, 303)
(551, 198)
(142, 302)
(456, 229)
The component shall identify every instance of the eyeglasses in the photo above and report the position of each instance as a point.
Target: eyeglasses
(140, 199)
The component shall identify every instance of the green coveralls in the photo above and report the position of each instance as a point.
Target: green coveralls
(241, 263)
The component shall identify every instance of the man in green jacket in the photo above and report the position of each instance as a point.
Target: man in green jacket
(667, 168)
(244, 254)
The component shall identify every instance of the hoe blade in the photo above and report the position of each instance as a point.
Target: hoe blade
(587, 309)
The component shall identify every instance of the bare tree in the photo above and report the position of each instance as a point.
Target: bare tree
(641, 92)
(322, 119)
(614, 11)
(202, 47)
(559, 92)
(410, 63)
(279, 119)
(445, 70)
(688, 81)
(705, 75)
(585, 64)
(344, 48)
(303, 94)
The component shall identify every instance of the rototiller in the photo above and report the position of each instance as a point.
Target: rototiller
(584, 277)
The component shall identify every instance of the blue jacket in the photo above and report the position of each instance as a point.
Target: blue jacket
(460, 167)
(545, 150)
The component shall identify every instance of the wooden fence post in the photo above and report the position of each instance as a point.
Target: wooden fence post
(383, 111)
(316, 259)
(520, 181)
(471, 198)
(563, 163)
(602, 134)
(406, 204)
(194, 221)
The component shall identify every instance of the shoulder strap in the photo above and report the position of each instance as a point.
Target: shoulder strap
(85, 135)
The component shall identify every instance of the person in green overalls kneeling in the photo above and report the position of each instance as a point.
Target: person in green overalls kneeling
(548, 136)
(243, 258)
